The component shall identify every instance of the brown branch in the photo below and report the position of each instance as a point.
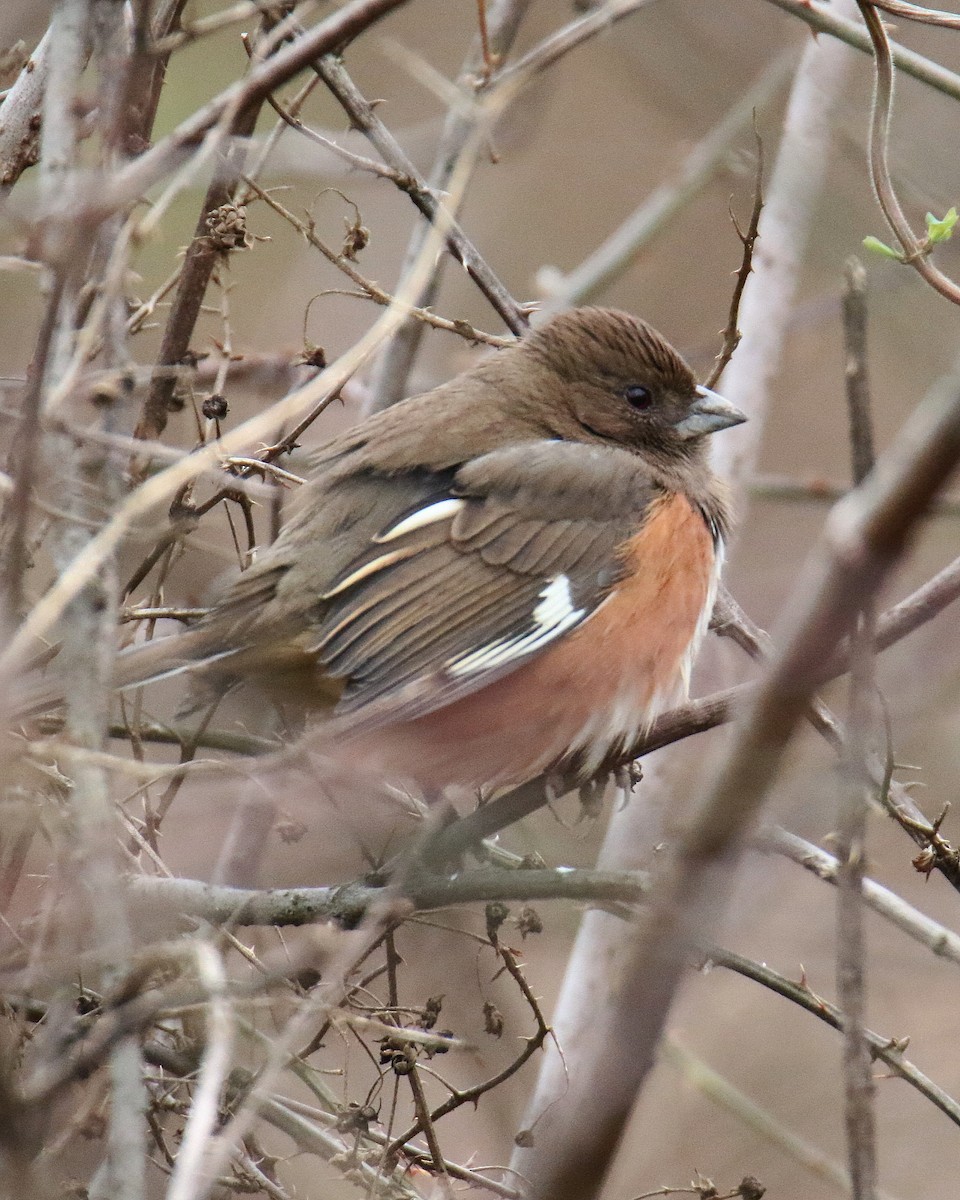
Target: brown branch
(424, 1124)
(887, 1050)
(267, 76)
(205, 251)
(361, 112)
(147, 78)
(916, 12)
(732, 335)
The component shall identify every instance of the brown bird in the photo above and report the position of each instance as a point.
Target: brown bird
(486, 580)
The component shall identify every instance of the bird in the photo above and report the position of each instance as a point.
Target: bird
(494, 579)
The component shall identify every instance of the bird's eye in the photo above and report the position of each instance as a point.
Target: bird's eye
(638, 396)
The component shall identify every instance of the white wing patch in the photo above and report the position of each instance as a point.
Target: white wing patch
(553, 615)
(440, 510)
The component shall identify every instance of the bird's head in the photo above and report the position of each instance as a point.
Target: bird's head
(621, 382)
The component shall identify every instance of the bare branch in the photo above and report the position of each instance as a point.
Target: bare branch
(498, 29)
(20, 116)
(612, 257)
(824, 491)
(732, 334)
(916, 12)
(821, 18)
(363, 116)
(855, 786)
(888, 1050)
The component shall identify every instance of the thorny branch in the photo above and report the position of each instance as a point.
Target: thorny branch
(748, 239)
(856, 784)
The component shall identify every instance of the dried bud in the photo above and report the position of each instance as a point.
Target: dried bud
(528, 921)
(751, 1188)
(431, 1010)
(402, 1064)
(215, 407)
(355, 1119)
(312, 356)
(496, 913)
(925, 861)
(228, 228)
(356, 238)
(492, 1020)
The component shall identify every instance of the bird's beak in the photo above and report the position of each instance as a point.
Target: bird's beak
(709, 413)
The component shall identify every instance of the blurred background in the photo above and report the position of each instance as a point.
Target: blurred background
(586, 143)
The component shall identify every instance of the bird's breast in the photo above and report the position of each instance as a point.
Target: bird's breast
(634, 655)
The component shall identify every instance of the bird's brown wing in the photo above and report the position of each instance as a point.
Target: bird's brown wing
(465, 586)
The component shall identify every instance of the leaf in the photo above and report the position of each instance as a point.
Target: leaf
(878, 247)
(940, 229)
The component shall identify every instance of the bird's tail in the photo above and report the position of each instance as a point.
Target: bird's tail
(148, 662)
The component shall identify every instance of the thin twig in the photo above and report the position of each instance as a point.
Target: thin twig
(889, 1051)
(821, 18)
(498, 29)
(361, 112)
(916, 12)
(824, 491)
(937, 938)
(613, 256)
(369, 288)
(748, 239)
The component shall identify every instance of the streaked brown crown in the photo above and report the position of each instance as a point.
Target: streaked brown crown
(620, 381)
